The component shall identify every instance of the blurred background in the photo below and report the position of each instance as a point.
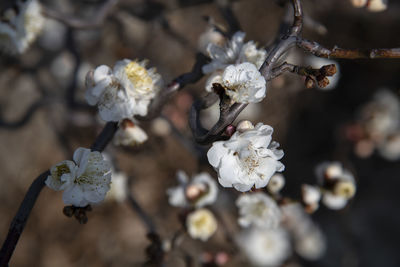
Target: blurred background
(44, 118)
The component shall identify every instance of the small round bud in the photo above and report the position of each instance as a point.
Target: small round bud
(69, 211)
(323, 82)
(310, 83)
(244, 126)
(276, 183)
(377, 5)
(333, 170)
(311, 195)
(230, 130)
(329, 70)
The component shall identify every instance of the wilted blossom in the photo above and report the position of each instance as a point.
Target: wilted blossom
(243, 83)
(265, 247)
(129, 134)
(247, 159)
(20, 25)
(201, 224)
(309, 242)
(85, 180)
(338, 184)
(123, 92)
(202, 190)
(258, 209)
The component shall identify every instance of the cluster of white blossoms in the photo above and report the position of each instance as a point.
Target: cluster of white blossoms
(20, 25)
(235, 66)
(273, 231)
(85, 180)
(371, 5)
(124, 91)
(249, 158)
(378, 127)
(337, 184)
(196, 193)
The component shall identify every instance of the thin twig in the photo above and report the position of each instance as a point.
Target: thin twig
(336, 52)
(78, 23)
(187, 78)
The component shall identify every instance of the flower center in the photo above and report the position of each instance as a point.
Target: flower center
(84, 179)
(139, 77)
(60, 170)
(251, 160)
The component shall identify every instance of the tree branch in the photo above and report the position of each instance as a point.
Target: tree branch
(336, 52)
(178, 83)
(78, 23)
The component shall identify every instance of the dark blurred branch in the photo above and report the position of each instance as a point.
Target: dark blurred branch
(18, 223)
(228, 114)
(177, 84)
(320, 51)
(145, 218)
(78, 23)
(27, 115)
(225, 8)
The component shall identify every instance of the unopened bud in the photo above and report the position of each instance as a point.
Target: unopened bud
(244, 126)
(377, 5)
(69, 211)
(324, 82)
(276, 183)
(230, 130)
(310, 83)
(328, 70)
(310, 194)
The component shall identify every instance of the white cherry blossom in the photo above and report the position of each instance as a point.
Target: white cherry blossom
(85, 181)
(20, 26)
(243, 83)
(338, 184)
(247, 159)
(202, 190)
(123, 92)
(265, 247)
(235, 51)
(201, 224)
(258, 209)
(61, 175)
